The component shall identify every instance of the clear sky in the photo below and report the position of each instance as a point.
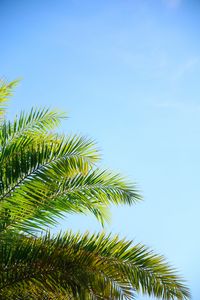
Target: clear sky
(128, 74)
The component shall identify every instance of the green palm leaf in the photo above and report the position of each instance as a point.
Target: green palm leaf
(87, 267)
(42, 200)
(25, 162)
(5, 93)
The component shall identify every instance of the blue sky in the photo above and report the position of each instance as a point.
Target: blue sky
(127, 73)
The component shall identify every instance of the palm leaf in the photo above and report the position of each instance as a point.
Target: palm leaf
(40, 201)
(5, 93)
(87, 267)
(25, 162)
(28, 126)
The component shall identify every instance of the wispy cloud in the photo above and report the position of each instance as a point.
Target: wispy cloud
(186, 67)
(173, 3)
(183, 106)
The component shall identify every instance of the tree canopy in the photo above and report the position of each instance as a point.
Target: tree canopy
(45, 175)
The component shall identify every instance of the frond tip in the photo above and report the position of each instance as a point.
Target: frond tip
(5, 93)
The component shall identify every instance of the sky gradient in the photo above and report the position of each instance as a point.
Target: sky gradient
(128, 75)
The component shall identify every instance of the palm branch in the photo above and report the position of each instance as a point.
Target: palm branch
(86, 267)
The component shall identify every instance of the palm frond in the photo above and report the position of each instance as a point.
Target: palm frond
(29, 125)
(5, 93)
(97, 266)
(23, 163)
(41, 201)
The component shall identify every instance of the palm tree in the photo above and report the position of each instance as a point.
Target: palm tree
(45, 175)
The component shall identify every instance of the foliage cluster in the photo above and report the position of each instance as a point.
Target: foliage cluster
(45, 175)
